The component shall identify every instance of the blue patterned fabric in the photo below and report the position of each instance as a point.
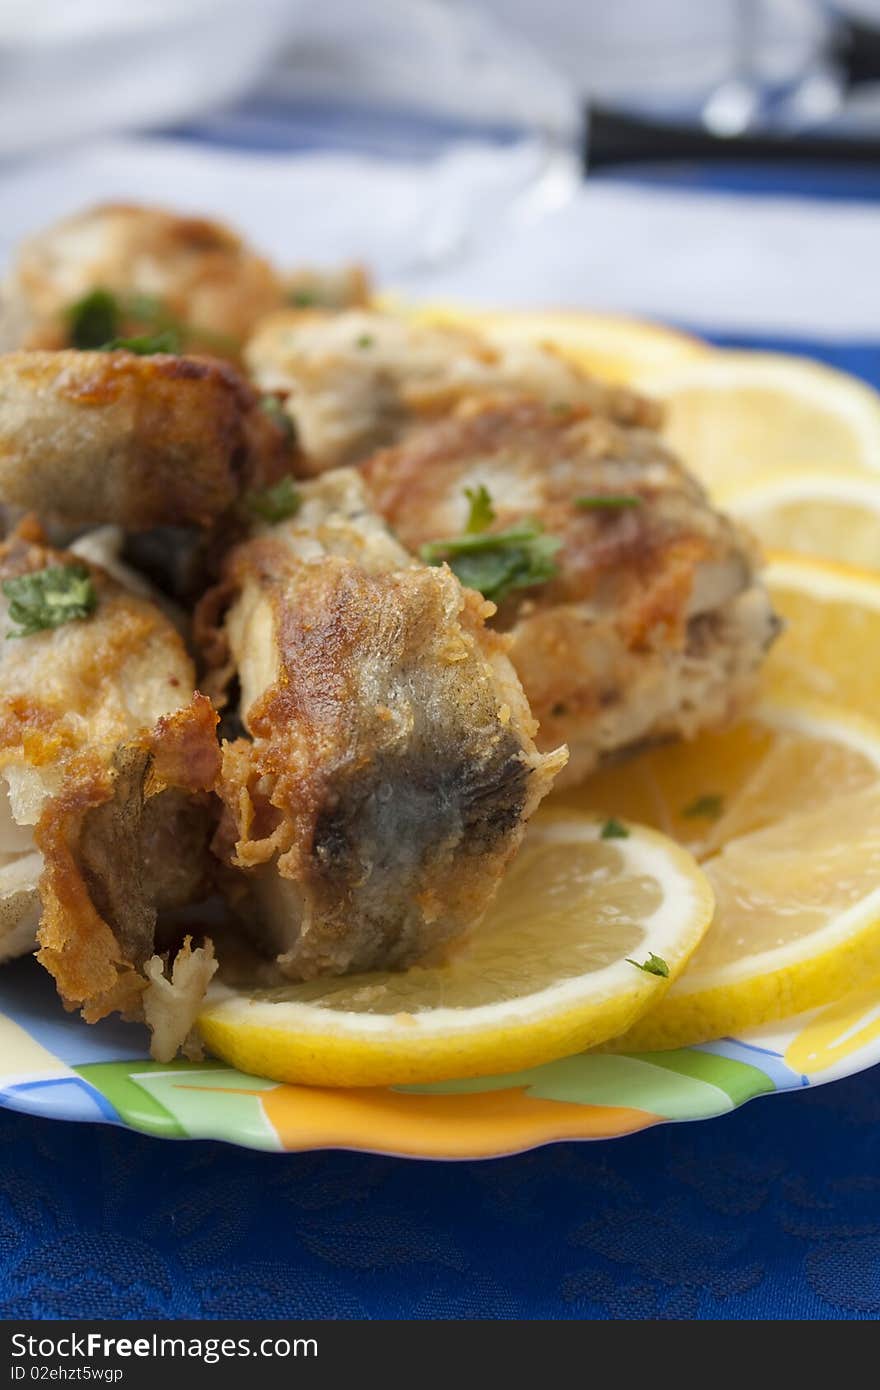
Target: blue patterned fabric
(770, 1212)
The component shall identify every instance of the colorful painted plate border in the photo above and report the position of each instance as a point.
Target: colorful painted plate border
(51, 1064)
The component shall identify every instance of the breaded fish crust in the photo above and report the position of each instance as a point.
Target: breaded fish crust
(111, 437)
(345, 287)
(196, 272)
(656, 622)
(360, 379)
(105, 760)
(390, 767)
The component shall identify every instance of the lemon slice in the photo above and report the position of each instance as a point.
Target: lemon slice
(742, 418)
(784, 811)
(546, 975)
(609, 346)
(797, 925)
(830, 649)
(783, 759)
(837, 518)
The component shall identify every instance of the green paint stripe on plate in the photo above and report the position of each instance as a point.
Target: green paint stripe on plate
(738, 1080)
(613, 1080)
(605, 1079)
(135, 1105)
(213, 1104)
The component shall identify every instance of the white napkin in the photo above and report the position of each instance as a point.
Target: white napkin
(721, 261)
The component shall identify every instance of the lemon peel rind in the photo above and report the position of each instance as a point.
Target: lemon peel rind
(797, 486)
(826, 579)
(821, 719)
(709, 1013)
(405, 1060)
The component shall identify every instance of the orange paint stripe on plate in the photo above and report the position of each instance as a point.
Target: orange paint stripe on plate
(451, 1126)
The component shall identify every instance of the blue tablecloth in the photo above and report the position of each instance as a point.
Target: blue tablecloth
(773, 1211)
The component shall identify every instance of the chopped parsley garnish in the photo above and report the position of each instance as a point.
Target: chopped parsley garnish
(366, 340)
(654, 965)
(303, 299)
(146, 344)
(98, 320)
(496, 563)
(613, 830)
(709, 806)
(94, 319)
(49, 598)
(482, 512)
(273, 406)
(607, 501)
(275, 503)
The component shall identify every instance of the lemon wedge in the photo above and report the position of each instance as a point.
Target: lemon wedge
(738, 419)
(822, 514)
(830, 649)
(784, 813)
(797, 924)
(548, 973)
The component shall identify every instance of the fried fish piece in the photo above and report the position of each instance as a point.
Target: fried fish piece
(20, 868)
(389, 767)
(359, 379)
(160, 268)
(653, 622)
(345, 287)
(111, 437)
(106, 760)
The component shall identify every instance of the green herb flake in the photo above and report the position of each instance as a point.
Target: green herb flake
(93, 320)
(654, 965)
(613, 830)
(275, 503)
(163, 326)
(49, 598)
(708, 807)
(560, 407)
(607, 501)
(273, 406)
(146, 344)
(366, 340)
(482, 513)
(98, 322)
(303, 299)
(496, 563)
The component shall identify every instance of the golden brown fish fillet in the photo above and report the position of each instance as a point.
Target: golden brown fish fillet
(390, 769)
(346, 287)
(95, 437)
(158, 264)
(359, 379)
(656, 622)
(106, 756)
(20, 868)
